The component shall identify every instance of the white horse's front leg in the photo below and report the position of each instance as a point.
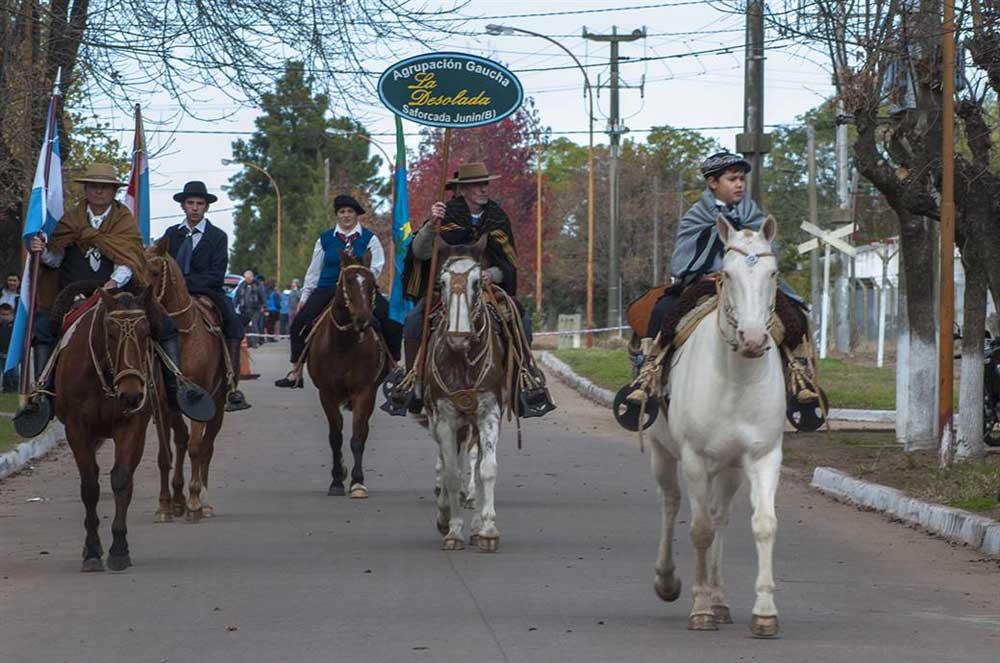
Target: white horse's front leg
(473, 461)
(449, 508)
(702, 533)
(486, 468)
(723, 488)
(666, 582)
(764, 474)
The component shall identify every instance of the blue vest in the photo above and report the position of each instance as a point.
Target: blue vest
(332, 246)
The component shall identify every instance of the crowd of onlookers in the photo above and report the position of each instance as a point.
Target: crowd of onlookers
(8, 307)
(266, 311)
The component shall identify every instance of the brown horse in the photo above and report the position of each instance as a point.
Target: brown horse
(203, 362)
(347, 361)
(103, 379)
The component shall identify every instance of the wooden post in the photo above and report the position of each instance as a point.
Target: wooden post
(429, 292)
(946, 368)
(538, 225)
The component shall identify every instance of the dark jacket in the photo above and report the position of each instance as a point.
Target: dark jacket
(209, 260)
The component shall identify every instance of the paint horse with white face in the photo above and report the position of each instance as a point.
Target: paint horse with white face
(725, 420)
(465, 392)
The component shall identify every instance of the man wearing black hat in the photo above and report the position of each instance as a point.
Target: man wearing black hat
(202, 251)
(321, 281)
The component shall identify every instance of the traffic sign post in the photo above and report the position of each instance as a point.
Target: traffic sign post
(826, 239)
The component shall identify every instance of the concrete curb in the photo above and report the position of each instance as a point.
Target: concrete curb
(600, 395)
(586, 388)
(952, 524)
(18, 458)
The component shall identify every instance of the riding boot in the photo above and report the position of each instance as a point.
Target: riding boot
(170, 347)
(236, 400)
(412, 349)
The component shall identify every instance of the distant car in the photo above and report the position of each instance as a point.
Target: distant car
(232, 282)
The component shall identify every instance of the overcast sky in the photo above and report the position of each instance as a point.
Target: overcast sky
(690, 91)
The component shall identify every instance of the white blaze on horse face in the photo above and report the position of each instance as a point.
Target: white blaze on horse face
(751, 281)
(459, 303)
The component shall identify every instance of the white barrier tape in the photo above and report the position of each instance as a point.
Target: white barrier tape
(256, 335)
(580, 331)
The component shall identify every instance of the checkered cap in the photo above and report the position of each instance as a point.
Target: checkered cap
(720, 162)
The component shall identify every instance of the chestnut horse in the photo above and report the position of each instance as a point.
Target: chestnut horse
(203, 362)
(347, 361)
(103, 379)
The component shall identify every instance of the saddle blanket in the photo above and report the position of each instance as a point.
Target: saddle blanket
(79, 309)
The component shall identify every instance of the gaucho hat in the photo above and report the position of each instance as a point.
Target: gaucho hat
(471, 173)
(722, 161)
(343, 200)
(100, 173)
(195, 189)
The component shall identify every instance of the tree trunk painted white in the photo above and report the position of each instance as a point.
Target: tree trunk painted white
(970, 396)
(921, 360)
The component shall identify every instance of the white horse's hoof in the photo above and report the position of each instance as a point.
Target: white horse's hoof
(722, 614)
(359, 492)
(668, 588)
(452, 544)
(764, 627)
(702, 623)
(488, 544)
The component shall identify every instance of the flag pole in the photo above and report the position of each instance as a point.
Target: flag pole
(137, 153)
(36, 256)
(429, 292)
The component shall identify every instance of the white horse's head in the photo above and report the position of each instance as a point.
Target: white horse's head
(461, 285)
(749, 286)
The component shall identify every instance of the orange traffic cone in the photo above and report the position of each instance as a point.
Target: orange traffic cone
(246, 370)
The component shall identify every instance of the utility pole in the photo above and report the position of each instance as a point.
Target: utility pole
(946, 367)
(816, 308)
(615, 130)
(842, 303)
(753, 143)
(656, 228)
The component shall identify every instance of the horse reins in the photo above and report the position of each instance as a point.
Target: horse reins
(126, 320)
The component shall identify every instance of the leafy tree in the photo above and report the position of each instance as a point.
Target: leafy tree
(294, 137)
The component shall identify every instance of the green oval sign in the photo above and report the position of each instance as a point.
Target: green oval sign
(450, 90)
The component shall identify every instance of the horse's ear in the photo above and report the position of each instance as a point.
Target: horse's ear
(346, 257)
(725, 229)
(159, 247)
(770, 228)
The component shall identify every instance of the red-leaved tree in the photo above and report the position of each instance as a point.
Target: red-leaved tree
(508, 149)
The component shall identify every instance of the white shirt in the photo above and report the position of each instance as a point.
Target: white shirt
(195, 237)
(8, 297)
(316, 265)
(121, 274)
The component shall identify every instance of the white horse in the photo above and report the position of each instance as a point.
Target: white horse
(465, 391)
(725, 421)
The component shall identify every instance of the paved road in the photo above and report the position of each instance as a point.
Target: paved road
(285, 573)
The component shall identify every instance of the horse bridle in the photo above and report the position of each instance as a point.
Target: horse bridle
(161, 292)
(751, 258)
(458, 284)
(118, 364)
(342, 286)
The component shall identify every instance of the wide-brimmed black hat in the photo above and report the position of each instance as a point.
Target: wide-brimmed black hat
(343, 200)
(720, 162)
(195, 189)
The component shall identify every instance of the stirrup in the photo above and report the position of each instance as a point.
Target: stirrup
(31, 420)
(235, 401)
(627, 407)
(193, 401)
(398, 402)
(534, 402)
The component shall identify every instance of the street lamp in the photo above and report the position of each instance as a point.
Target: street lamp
(277, 193)
(497, 30)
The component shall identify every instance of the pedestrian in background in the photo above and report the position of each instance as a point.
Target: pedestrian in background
(11, 292)
(294, 298)
(249, 304)
(283, 321)
(273, 310)
(260, 322)
(11, 377)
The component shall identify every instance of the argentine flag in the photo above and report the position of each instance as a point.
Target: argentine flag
(137, 194)
(44, 211)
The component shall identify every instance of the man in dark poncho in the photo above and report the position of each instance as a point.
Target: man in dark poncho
(465, 219)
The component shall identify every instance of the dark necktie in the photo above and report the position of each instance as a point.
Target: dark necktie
(187, 248)
(347, 239)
